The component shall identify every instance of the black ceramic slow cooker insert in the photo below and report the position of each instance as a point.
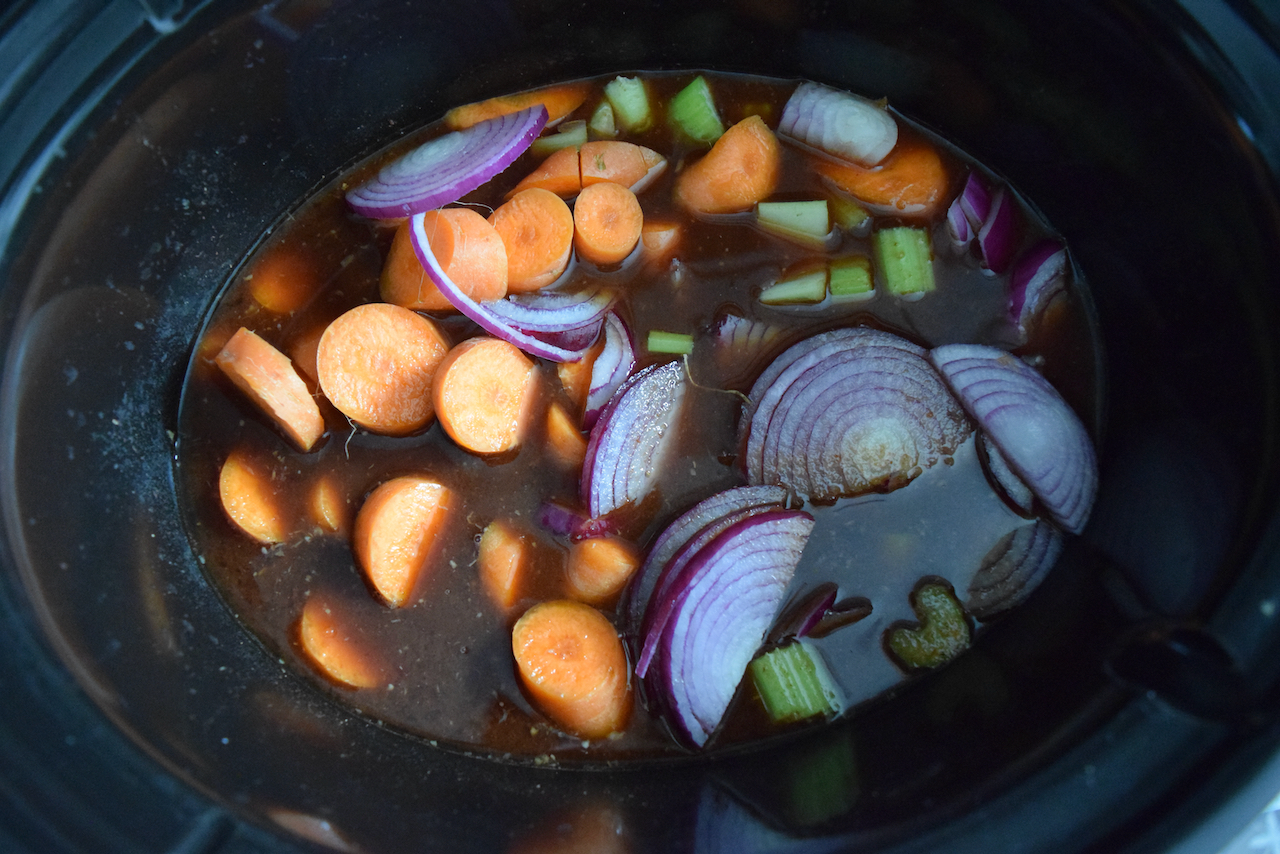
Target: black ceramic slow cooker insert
(145, 149)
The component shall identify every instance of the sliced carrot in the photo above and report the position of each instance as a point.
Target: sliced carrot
(284, 280)
(598, 568)
(606, 223)
(559, 100)
(537, 230)
(559, 174)
(482, 391)
(376, 364)
(326, 639)
(659, 241)
(249, 498)
(267, 376)
(564, 439)
(328, 506)
(302, 350)
(912, 179)
(468, 249)
(742, 168)
(618, 162)
(572, 663)
(504, 561)
(395, 530)
(575, 377)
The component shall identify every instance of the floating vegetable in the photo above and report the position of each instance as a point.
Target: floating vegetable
(839, 123)
(1013, 568)
(1039, 274)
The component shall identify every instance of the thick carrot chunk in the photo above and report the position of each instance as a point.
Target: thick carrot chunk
(606, 219)
(659, 241)
(327, 640)
(482, 394)
(267, 376)
(537, 230)
(504, 563)
(741, 169)
(376, 364)
(625, 163)
(395, 530)
(911, 180)
(572, 663)
(469, 250)
(564, 439)
(558, 174)
(249, 498)
(599, 568)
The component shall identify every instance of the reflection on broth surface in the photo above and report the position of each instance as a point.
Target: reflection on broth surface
(441, 664)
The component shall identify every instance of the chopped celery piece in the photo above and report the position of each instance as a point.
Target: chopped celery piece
(570, 133)
(848, 214)
(794, 684)
(809, 288)
(693, 112)
(851, 278)
(905, 257)
(804, 222)
(670, 342)
(943, 632)
(601, 122)
(630, 102)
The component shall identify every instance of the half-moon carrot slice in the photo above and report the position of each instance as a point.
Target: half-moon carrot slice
(395, 532)
(482, 394)
(912, 180)
(598, 568)
(742, 168)
(268, 377)
(559, 100)
(468, 249)
(537, 229)
(559, 174)
(633, 166)
(249, 498)
(376, 364)
(503, 563)
(327, 641)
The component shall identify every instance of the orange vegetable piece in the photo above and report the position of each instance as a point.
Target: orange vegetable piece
(572, 663)
(559, 100)
(598, 569)
(504, 563)
(467, 248)
(617, 162)
(267, 376)
(395, 530)
(606, 219)
(659, 240)
(249, 498)
(742, 168)
(328, 506)
(912, 180)
(537, 230)
(376, 364)
(575, 377)
(328, 643)
(564, 439)
(284, 280)
(482, 393)
(559, 173)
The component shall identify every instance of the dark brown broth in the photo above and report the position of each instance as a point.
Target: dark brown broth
(450, 649)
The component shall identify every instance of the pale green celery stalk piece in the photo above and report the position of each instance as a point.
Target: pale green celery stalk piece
(904, 256)
(805, 222)
(943, 632)
(601, 122)
(677, 343)
(809, 288)
(851, 279)
(794, 683)
(630, 101)
(848, 214)
(568, 134)
(693, 112)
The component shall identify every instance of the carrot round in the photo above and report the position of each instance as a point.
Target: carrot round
(742, 168)
(395, 530)
(468, 249)
(503, 563)
(482, 392)
(572, 663)
(598, 569)
(559, 174)
(268, 377)
(284, 280)
(376, 364)
(537, 230)
(618, 162)
(327, 641)
(249, 498)
(606, 223)
(559, 100)
(911, 180)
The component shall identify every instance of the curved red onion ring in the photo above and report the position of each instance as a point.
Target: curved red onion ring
(552, 311)
(1039, 273)
(839, 123)
(1006, 482)
(1041, 438)
(1012, 569)
(443, 170)
(610, 369)
(998, 236)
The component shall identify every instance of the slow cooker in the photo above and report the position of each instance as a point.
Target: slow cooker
(146, 146)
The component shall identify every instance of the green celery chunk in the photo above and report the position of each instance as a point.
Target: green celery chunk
(630, 101)
(794, 684)
(806, 289)
(943, 632)
(670, 342)
(568, 134)
(851, 278)
(693, 112)
(601, 122)
(905, 257)
(806, 222)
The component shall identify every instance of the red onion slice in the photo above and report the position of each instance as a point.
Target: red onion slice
(1006, 482)
(1012, 569)
(483, 314)
(958, 227)
(1039, 274)
(1041, 438)
(998, 236)
(726, 600)
(611, 368)
(975, 201)
(839, 123)
(635, 431)
(550, 311)
(443, 170)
